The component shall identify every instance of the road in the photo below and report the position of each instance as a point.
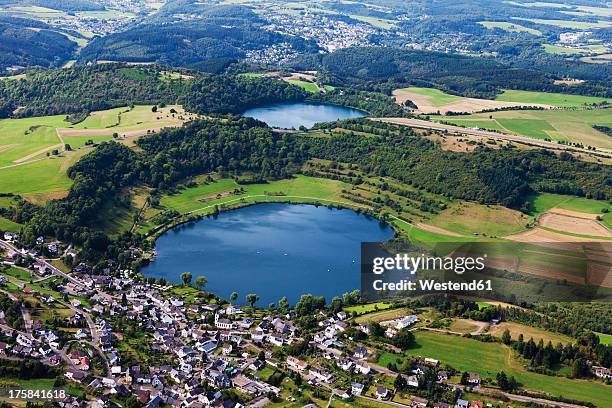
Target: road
(424, 124)
(11, 248)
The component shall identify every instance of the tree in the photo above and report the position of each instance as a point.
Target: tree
(465, 377)
(154, 108)
(233, 296)
(506, 338)
(252, 298)
(67, 147)
(283, 304)
(400, 382)
(404, 339)
(186, 278)
(201, 282)
(375, 329)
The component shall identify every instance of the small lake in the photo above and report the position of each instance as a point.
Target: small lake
(270, 249)
(294, 115)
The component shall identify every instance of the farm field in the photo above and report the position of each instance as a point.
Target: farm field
(543, 202)
(434, 101)
(548, 98)
(560, 125)
(41, 180)
(469, 219)
(527, 331)
(588, 49)
(25, 142)
(367, 308)
(504, 25)
(487, 359)
(578, 25)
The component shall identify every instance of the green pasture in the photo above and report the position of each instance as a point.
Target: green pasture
(573, 125)
(487, 359)
(437, 97)
(547, 98)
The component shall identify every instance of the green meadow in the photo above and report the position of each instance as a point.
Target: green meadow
(487, 359)
(547, 98)
(202, 197)
(554, 124)
(542, 202)
(571, 24)
(437, 97)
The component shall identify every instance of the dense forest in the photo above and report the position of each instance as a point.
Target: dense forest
(458, 74)
(22, 46)
(105, 86)
(504, 176)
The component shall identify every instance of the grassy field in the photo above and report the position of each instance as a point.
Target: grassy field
(383, 315)
(578, 25)
(25, 142)
(192, 199)
(527, 332)
(487, 359)
(367, 308)
(307, 86)
(548, 98)
(40, 180)
(605, 339)
(437, 97)
(382, 23)
(559, 125)
(21, 138)
(504, 25)
(542, 202)
(8, 225)
(470, 218)
(589, 49)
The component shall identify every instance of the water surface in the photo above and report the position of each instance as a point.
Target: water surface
(270, 249)
(294, 115)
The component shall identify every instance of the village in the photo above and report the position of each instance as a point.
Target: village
(205, 349)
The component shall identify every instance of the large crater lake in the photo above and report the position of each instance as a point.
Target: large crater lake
(294, 115)
(270, 249)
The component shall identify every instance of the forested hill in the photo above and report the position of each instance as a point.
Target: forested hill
(220, 33)
(97, 87)
(232, 145)
(468, 76)
(25, 42)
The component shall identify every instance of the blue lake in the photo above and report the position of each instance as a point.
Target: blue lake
(270, 249)
(294, 115)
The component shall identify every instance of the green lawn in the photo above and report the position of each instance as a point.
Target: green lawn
(547, 98)
(438, 98)
(488, 359)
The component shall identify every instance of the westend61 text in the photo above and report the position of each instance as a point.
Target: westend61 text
(432, 285)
